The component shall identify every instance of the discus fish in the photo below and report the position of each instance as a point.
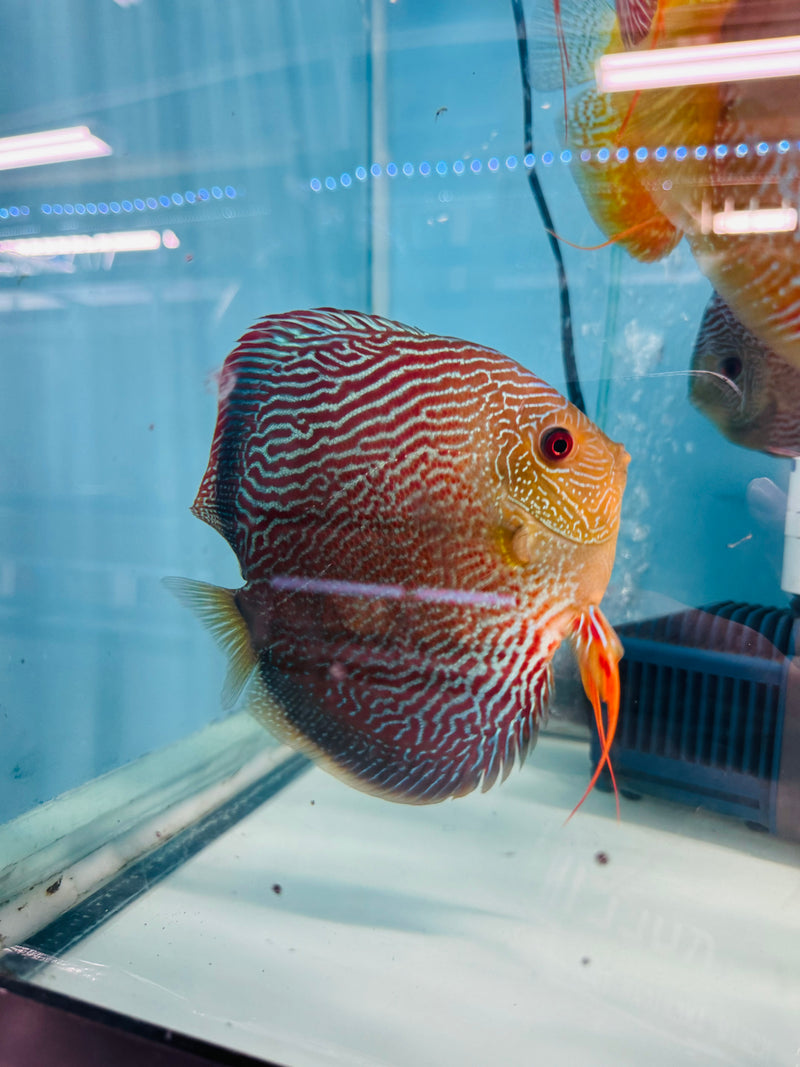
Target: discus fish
(652, 188)
(628, 194)
(419, 522)
(759, 122)
(751, 394)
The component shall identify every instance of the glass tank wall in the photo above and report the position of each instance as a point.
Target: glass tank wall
(171, 171)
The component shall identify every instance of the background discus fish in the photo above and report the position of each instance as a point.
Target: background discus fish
(749, 392)
(661, 164)
(419, 522)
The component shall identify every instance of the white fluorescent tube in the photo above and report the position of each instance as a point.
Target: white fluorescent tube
(83, 243)
(660, 68)
(759, 220)
(50, 146)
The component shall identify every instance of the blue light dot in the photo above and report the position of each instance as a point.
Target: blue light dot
(586, 155)
(138, 203)
(14, 211)
(547, 158)
(475, 166)
(3, 212)
(163, 200)
(25, 210)
(441, 167)
(700, 152)
(203, 194)
(114, 205)
(92, 209)
(177, 199)
(330, 183)
(681, 152)
(603, 155)
(151, 202)
(741, 150)
(58, 209)
(361, 173)
(80, 209)
(102, 208)
(458, 167)
(641, 154)
(346, 180)
(315, 184)
(190, 198)
(375, 170)
(622, 154)
(216, 192)
(424, 169)
(783, 146)
(493, 164)
(661, 153)
(68, 210)
(511, 162)
(530, 159)
(762, 148)
(127, 205)
(566, 156)
(46, 209)
(721, 151)
(391, 169)
(408, 169)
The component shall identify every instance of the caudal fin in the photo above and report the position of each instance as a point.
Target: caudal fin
(216, 609)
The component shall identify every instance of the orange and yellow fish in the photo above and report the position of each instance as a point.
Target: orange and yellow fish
(420, 523)
(679, 159)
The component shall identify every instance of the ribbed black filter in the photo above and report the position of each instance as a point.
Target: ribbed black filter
(702, 706)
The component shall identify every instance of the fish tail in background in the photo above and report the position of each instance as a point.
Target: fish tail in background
(574, 392)
(598, 651)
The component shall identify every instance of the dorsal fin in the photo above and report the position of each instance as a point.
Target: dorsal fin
(586, 26)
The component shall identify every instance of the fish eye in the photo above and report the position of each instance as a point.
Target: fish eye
(556, 444)
(731, 367)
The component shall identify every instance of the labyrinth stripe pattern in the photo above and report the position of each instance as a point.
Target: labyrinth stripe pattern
(411, 562)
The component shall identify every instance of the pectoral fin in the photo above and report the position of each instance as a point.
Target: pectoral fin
(598, 651)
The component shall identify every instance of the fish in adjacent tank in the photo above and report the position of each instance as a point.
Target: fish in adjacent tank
(748, 391)
(660, 164)
(419, 522)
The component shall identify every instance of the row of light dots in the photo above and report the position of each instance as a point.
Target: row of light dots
(602, 155)
(115, 207)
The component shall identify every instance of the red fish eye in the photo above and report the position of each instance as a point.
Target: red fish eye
(556, 444)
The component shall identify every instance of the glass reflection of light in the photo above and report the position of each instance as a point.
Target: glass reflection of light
(334, 587)
(85, 243)
(50, 146)
(661, 68)
(754, 220)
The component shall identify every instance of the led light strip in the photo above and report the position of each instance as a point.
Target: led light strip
(547, 159)
(149, 203)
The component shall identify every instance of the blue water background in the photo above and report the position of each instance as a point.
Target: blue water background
(106, 408)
